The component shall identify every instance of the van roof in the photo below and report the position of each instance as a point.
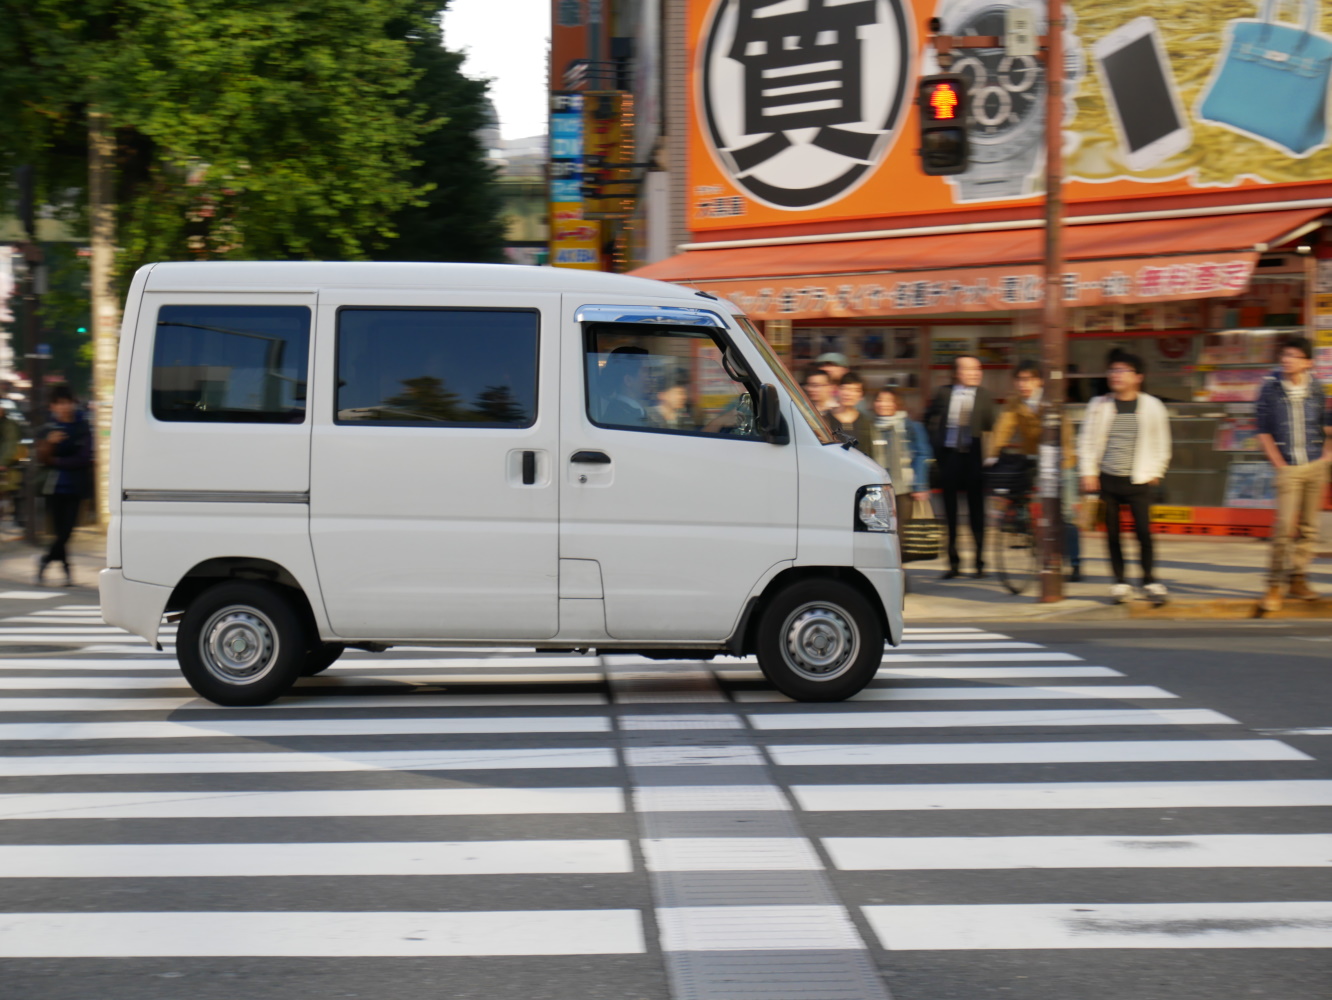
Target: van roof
(298, 275)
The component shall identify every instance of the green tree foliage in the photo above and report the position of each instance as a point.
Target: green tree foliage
(458, 217)
(246, 129)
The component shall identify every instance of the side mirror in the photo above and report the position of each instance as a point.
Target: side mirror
(769, 414)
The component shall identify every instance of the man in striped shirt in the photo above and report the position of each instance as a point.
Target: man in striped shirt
(1123, 453)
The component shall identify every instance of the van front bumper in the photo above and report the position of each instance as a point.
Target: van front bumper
(135, 607)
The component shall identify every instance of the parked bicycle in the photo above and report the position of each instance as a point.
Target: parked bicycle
(1009, 496)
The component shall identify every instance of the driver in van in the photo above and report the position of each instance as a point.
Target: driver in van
(626, 378)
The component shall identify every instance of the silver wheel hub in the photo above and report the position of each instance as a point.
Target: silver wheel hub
(820, 641)
(238, 645)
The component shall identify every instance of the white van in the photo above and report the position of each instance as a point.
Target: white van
(314, 456)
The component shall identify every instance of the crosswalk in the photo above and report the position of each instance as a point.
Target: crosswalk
(451, 806)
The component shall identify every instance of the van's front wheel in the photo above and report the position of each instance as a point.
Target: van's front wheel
(819, 640)
(241, 643)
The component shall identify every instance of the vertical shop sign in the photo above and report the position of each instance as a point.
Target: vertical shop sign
(574, 241)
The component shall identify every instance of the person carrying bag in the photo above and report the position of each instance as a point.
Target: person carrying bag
(64, 452)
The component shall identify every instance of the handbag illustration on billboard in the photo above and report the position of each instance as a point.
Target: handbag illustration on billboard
(1272, 82)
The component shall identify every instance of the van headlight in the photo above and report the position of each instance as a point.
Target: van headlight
(876, 509)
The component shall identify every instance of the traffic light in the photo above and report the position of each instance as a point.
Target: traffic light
(942, 100)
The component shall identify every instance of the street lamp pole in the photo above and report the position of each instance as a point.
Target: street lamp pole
(1054, 343)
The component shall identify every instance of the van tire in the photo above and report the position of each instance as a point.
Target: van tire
(819, 640)
(320, 657)
(242, 643)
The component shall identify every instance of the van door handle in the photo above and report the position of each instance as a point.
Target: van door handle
(592, 457)
(529, 468)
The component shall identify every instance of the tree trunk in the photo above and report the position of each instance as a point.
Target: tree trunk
(105, 303)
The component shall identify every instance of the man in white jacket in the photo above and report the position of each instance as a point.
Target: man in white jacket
(1123, 452)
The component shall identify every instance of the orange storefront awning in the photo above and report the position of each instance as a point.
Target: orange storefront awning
(1157, 260)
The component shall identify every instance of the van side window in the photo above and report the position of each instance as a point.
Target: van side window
(437, 367)
(231, 364)
(652, 378)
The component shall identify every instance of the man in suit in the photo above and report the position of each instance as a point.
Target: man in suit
(626, 377)
(956, 418)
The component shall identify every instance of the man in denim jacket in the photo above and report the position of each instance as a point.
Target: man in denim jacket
(1293, 419)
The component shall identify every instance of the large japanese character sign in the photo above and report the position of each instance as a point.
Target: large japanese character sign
(801, 99)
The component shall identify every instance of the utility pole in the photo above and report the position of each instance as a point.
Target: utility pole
(105, 304)
(1054, 341)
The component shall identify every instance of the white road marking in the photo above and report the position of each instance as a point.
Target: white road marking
(953, 673)
(892, 659)
(249, 728)
(361, 934)
(757, 928)
(710, 798)
(1103, 925)
(1035, 717)
(485, 857)
(460, 682)
(28, 595)
(647, 723)
(479, 700)
(1015, 692)
(296, 762)
(370, 802)
(1066, 795)
(1060, 752)
(1297, 850)
(730, 854)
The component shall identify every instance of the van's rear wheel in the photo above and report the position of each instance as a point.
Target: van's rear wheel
(819, 640)
(242, 643)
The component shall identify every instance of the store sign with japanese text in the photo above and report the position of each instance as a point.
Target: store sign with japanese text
(984, 289)
(802, 109)
(574, 240)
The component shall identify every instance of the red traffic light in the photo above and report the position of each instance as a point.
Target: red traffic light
(943, 101)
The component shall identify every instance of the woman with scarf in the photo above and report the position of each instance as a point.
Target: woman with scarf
(901, 446)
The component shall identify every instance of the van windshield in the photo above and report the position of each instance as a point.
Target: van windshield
(816, 423)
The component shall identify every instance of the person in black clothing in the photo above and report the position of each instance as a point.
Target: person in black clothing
(956, 418)
(64, 453)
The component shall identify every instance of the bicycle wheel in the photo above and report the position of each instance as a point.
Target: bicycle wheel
(1016, 559)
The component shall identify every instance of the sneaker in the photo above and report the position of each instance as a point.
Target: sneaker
(69, 576)
(1121, 593)
(1272, 600)
(1300, 590)
(1157, 593)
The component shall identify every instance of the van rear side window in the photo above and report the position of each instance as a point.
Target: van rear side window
(231, 364)
(437, 367)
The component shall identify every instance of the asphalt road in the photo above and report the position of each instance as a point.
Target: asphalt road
(1098, 811)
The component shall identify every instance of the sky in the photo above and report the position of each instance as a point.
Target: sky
(507, 41)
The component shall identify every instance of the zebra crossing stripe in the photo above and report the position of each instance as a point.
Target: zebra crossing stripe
(1015, 692)
(479, 700)
(1036, 717)
(494, 857)
(757, 928)
(1066, 795)
(1053, 752)
(362, 934)
(892, 658)
(1103, 925)
(64, 683)
(1295, 850)
(730, 854)
(296, 762)
(215, 728)
(370, 802)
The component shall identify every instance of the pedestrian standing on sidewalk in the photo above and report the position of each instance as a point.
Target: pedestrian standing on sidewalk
(1123, 453)
(1018, 431)
(64, 454)
(899, 444)
(957, 417)
(1293, 422)
(845, 414)
(819, 389)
